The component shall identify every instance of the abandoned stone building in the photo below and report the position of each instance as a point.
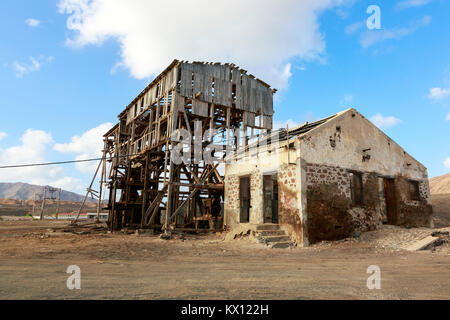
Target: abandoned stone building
(320, 181)
(327, 180)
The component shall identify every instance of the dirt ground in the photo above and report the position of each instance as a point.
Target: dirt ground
(34, 256)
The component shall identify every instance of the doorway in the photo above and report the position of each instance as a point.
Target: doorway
(270, 192)
(391, 200)
(244, 197)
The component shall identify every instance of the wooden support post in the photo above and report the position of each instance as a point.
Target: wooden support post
(102, 181)
(170, 198)
(193, 193)
(287, 139)
(211, 122)
(145, 191)
(87, 193)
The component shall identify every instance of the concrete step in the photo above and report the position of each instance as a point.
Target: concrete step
(268, 233)
(282, 238)
(282, 245)
(271, 235)
(267, 226)
(421, 244)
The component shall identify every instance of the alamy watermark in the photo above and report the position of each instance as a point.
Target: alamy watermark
(374, 281)
(374, 21)
(218, 145)
(74, 280)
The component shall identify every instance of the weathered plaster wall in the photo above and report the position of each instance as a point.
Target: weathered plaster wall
(231, 205)
(344, 141)
(257, 198)
(232, 200)
(254, 165)
(289, 211)
(289, 189)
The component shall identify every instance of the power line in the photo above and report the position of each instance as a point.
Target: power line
(98, 159)
(50, 163)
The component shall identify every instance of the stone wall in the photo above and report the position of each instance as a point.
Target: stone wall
(413, 213)
(232, 198)
(330, 210)
(332, 214)
(329, 213)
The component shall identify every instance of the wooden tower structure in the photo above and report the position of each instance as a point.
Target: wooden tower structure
(215, 103)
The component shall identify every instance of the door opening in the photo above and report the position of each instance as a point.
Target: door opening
(391, 200)
(244, 197)
(270, 191)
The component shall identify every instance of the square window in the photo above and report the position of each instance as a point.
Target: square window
(414, 192)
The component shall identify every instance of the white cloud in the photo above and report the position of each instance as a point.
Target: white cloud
(447, 163)
(3, 135)
(411, 3)
(33, 149)
(257, 35)
(438, 93)
(448, 117)
(384, 122)
(347, 99)
(371, 37)
(88, 145)
(32, 22)
(70, 184)
(23, 68)
(354, 27)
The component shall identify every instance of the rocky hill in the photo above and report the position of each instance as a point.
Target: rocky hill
(440, 185)
(440, 194)
(25, 191)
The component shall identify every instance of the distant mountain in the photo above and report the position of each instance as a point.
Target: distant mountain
(440, 185)
(25, 191)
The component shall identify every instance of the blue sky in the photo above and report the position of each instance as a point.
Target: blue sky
(69, 67)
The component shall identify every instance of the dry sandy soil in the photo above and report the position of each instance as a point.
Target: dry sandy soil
(34, 256)
(12, 207)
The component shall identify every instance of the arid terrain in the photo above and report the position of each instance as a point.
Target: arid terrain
(12, 207)
(34, 256)
(441, 209)
(440, 184)
(440, 196)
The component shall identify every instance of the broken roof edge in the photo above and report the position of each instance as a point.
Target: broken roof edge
(311, 128)
(318, 124)
(174, 63)
(110, 131)
(177, 62)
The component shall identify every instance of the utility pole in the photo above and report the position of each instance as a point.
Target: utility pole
(57, 203)
(43, 203)
(34, 204)
(51, 192)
